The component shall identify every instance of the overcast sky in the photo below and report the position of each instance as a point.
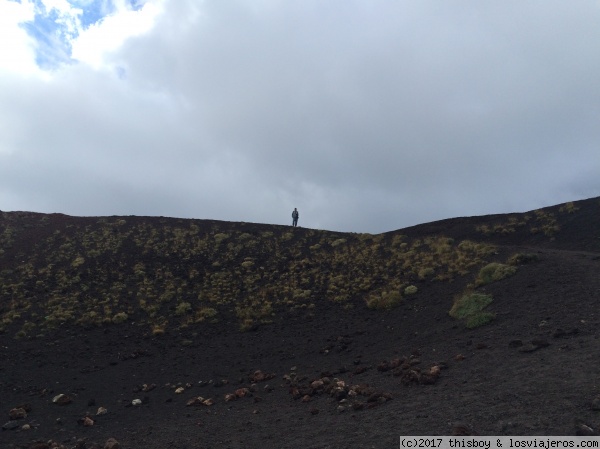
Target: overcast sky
(366, 115)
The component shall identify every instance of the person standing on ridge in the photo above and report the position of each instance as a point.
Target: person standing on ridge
(295, 216)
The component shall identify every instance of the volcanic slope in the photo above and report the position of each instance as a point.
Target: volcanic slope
(241, 335)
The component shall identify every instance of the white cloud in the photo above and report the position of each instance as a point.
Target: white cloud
(94, 45)
(17, 54)
(367, 116)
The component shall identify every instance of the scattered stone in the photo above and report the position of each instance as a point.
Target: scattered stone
(259, 376)
(315, 385)
(198, 400)
(534, 346)
(208, 402)
(148, 387)
(101, 411)
(62, 399)
(230, 397)
(26, 427)
(459, 357)
(10, 425)
(179, 390)
(17, 413)
(111, 443)
(242, 392)
(86, 421)
(582, 429)
(136, 402)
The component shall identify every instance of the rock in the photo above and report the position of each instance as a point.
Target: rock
(62, 399)
(111, 443)
(87, 422)
(230, 397)
(357, 405)
(242, 392)
(10, 425)
(179, 390)
(316, 384)
(582, 429)
(101, 411)
(17, 413)
(26, 427)
(148, 387)
(384, 366)
(208, 402)
(136, 402)
(198, 400)
(259, 376)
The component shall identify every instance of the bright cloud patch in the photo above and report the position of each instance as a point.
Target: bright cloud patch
(62, 31)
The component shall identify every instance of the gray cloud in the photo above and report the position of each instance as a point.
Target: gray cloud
(367, 116)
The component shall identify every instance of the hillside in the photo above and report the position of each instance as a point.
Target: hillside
(251, 335)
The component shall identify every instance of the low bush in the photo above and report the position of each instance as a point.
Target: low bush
(120, 317)
(411, 290)
(470, 304)
(470, 308)
(479, 319)
(385, 300)
(522, 259)
(494, 272)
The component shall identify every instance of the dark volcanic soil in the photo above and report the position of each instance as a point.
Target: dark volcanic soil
(532, 371)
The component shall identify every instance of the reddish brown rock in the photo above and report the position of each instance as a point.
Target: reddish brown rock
(62, 399)
(17, 413)
(111, 443)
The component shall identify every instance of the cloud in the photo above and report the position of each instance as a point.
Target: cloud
(367, 116)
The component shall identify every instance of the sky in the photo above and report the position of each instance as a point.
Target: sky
(366, 115)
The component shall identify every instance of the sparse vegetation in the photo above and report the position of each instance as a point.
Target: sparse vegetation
(384, 300)
(411, 290)
(494, 272)
(522, 258)
(173, 273)
(470, 309)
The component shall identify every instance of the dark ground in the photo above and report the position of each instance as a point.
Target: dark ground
(533, 371)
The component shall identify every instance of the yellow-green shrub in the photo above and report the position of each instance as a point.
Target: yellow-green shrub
(494, 272)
